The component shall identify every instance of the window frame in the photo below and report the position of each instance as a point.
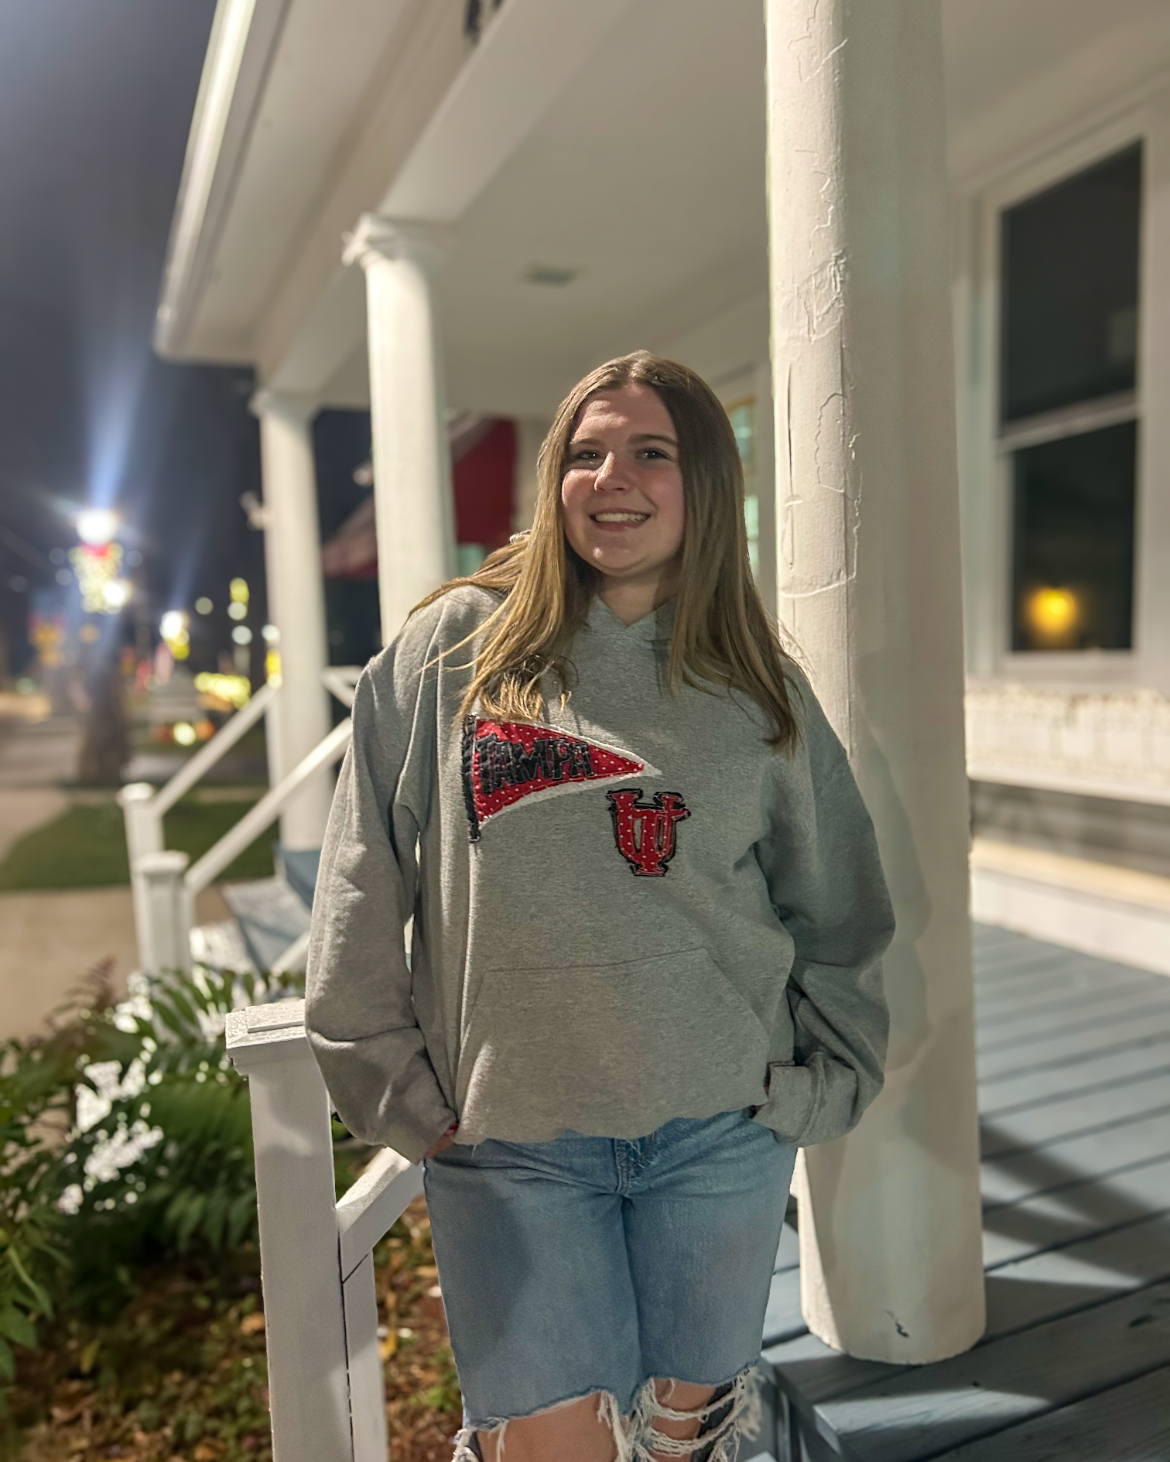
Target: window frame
(987, 443)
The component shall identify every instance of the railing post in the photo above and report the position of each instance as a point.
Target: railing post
(308, 1379)
(143, 835)
(167, 907)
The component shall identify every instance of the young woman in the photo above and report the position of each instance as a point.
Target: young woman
(648, 915)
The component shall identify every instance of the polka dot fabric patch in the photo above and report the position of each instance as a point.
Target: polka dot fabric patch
(506, 761)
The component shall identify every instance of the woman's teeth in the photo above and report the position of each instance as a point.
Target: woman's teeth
(620, 517)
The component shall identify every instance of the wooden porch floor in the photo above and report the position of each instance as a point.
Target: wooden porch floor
(1074, 1096)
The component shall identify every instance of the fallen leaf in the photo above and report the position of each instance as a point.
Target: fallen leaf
(388, 1346)
(252, 1324)
(208, 1451)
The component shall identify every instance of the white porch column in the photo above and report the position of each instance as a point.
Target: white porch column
(299, 720)
(412, 464)
(869, 588)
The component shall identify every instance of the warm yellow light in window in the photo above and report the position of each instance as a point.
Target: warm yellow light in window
(1053, 613)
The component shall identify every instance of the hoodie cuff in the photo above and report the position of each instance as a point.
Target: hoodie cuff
(791, 1096)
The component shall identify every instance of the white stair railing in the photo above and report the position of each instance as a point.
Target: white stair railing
(143, 808)
(326, 1390)
(169, 913)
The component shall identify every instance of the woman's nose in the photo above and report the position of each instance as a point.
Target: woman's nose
(608, 475)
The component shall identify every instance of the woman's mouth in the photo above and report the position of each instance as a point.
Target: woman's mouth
(618, 520)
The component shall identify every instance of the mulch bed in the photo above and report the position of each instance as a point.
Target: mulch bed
(180, 1374)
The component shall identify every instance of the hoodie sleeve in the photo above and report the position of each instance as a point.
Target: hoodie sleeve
(821, 862)
(359, 1015)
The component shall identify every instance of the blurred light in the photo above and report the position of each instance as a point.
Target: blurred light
(96, 569)
(239, 591)
(1053, 613)
(184, 733)
(271, 634)
(237, 609)
(56, 555)
(96, 526)
(203, 605)
(89, 634)
(64, 577)
(133, 558)
(173, 628)
(117, 594)
(25, 686)
(272, 667)
(242, 635)
(231, 690)
(18, 584)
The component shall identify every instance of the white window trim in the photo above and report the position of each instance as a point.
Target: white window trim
(985, 445)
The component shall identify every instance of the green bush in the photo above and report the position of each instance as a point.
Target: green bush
(125, 1136)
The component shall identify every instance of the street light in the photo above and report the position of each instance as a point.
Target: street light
(96, 526)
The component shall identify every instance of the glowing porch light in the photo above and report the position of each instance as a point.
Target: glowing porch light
(184, 733)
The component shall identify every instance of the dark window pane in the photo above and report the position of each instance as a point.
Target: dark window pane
(1072, 571)
(1069, 326)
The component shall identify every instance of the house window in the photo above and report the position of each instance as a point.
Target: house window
(1068, 406)
(743, 423)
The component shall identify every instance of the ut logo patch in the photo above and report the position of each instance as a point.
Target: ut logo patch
(644, 831)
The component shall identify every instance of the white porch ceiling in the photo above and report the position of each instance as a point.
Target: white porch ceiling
(644, 173)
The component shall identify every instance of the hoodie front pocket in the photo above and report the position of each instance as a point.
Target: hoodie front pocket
(583, 1044)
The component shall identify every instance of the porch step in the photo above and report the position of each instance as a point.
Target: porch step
(271, 915)
(221, 946)
(300, 869)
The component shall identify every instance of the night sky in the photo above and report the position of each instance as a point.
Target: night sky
(96, 98)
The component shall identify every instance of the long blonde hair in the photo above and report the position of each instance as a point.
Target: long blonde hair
(722, 634)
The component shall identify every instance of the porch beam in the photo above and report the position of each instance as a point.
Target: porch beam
(869, 589)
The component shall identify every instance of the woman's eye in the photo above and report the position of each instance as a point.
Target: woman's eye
(583, 454)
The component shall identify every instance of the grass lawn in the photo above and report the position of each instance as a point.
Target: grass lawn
(86, 846)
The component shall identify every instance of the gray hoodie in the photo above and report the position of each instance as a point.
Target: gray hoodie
(633, 911)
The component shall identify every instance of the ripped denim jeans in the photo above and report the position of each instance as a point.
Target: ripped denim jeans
(596, 1266)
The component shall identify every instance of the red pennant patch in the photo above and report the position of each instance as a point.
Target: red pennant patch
(506, 761)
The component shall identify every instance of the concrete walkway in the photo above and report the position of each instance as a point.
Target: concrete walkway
(50, 938)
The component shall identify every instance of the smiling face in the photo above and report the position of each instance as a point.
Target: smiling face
(622, 496)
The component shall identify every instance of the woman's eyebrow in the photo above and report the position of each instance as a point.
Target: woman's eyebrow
(646, 436)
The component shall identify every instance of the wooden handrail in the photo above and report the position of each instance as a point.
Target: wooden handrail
(207, 755)
(266, 811)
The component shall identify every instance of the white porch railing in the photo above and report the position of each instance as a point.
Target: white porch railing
(326, 1391)
(162, 885)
